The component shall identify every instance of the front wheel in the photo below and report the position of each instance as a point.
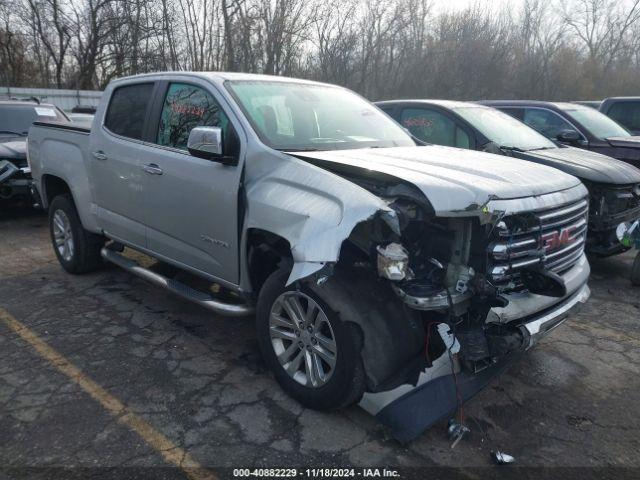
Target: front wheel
(78, 250)
(635, 271)
(313, 353)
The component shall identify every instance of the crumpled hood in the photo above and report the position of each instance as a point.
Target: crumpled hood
(586, 165)
(625, 142)
(453, 179)
(13, 150)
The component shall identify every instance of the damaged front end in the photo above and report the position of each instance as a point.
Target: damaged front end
(485, 285)
(444, 291)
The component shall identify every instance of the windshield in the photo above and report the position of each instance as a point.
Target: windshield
(597, 123)
(296, 116)
(504, 130)
(16, 119)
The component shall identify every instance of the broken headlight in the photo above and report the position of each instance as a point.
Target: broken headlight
(393, 262)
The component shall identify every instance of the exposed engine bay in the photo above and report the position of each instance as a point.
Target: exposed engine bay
(453, 271)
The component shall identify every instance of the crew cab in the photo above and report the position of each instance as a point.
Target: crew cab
(614, 186)
(624, 110)
(15, 119)
(575, 125)
(379, 272)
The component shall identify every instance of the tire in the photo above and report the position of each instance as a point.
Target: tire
(344, 383)
(77, 250)
(635, 271)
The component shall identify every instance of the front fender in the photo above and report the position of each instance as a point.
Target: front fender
(313, 209)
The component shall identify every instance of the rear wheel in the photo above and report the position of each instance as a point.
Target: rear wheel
(313, 353)
(78, 250)
(635, 271)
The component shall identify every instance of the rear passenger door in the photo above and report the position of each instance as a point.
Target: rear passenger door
(191, 204)
(114, 163)
(435, 127)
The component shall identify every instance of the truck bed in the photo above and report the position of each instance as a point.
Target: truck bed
(62, 150)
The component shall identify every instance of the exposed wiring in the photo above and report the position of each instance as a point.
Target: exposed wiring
(453, 369)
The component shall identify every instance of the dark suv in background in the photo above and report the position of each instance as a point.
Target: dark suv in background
(624, 110)
(614, 186)
(16, 117)
(576, 125)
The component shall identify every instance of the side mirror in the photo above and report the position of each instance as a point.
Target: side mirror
(206, 142)
(568, 136)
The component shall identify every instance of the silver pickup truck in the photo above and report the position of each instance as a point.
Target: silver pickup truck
(399, 277)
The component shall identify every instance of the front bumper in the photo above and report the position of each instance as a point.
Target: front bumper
(602, 239)
(409, 410)
(14, 181)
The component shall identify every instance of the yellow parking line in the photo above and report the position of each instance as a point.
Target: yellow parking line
(171, 453)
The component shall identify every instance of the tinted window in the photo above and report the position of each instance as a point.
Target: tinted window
(597, 123)
(434, 127)
(548, 123)
(627, 114)
(503, 129)
(514, 112)
(186, 107)
(16, 119)
(127, 110)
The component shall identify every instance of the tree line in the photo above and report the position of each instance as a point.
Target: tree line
(553, 49)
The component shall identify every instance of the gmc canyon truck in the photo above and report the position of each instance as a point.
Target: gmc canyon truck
(400, 277)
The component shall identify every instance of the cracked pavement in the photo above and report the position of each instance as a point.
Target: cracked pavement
(573, 401)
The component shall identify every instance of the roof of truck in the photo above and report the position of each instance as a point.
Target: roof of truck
(222, 76)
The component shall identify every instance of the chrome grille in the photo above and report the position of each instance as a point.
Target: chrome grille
(553, 239)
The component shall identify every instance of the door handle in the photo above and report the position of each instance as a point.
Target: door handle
(99, 155)
(152, 169)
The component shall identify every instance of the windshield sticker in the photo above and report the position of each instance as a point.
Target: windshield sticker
(185, 108)
(45, 112)
(417, 122)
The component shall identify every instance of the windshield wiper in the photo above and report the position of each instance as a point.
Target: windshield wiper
(11, 132)
(510, 148)
(541, 148)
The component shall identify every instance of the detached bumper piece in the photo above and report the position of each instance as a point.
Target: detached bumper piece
(408, 411)
(427, 404)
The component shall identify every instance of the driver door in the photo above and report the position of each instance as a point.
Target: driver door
(191, 204)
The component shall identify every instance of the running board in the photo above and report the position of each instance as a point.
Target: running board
(178, 288)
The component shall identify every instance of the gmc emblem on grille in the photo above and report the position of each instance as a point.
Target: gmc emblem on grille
(557, 239)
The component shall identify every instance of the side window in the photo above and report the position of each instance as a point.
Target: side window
(626, 114)
(186, 107)
(514, 112)
(389, 111)
(433, 127)
(546, 122)
(127, 110)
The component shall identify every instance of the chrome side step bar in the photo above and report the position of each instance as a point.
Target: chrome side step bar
(178, 288)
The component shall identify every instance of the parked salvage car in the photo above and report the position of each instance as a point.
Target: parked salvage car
(614, 186)
(16, 117)
(574, 125)
(624, 110)
(375, 268)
